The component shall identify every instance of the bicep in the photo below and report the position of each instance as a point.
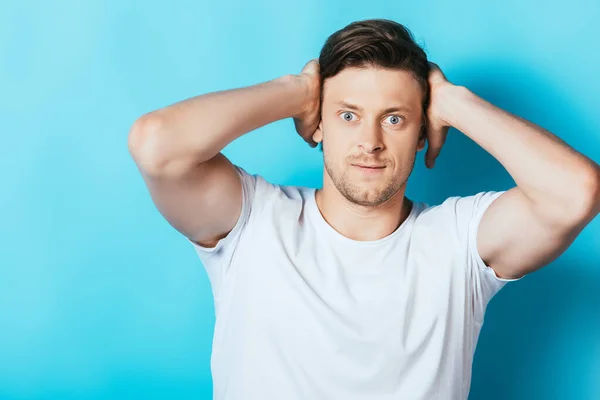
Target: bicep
(515, 239)
(204, 203)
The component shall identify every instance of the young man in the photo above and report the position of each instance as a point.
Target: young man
(353, 291)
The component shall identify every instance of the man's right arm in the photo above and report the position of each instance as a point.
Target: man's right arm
(177, 150)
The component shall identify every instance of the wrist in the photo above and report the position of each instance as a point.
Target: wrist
(300, 93)
(450, 97)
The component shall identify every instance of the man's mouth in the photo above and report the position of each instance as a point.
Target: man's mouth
(366, 166)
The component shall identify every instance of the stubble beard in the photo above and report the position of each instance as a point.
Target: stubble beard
(360, 195)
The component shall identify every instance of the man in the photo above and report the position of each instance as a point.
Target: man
(353, 291)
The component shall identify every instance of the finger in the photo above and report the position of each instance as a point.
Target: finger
(435, 73)
(436, 138)
(312, 143)
(432, 144)
(312, 67)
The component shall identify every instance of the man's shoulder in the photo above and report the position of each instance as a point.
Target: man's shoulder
(458, 203)
(456, 210)
(269, 193)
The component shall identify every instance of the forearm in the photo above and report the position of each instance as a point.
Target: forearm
(549, 172)
(197, 129)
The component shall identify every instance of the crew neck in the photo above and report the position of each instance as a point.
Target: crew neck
(324, 225)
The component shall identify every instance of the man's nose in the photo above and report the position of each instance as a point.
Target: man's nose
(371, 140)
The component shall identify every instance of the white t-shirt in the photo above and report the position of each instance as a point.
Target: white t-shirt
(303, 312)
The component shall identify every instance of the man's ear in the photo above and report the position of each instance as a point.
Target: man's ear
(318, 135)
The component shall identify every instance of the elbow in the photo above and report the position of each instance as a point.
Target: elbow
(595, 190)
(589, 195)
(144, 144)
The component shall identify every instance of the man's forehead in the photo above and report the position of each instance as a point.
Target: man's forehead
(379, 88)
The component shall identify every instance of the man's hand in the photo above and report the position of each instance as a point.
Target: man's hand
(307, 122)
(437, 127)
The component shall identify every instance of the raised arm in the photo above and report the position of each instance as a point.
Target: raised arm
(177, 150)
(557, 192)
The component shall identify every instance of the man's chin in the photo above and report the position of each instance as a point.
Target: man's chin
(366, 197)
(370, 194)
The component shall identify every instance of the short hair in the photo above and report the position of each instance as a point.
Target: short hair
(376, 43)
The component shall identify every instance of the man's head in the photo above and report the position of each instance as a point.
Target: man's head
(374, 99)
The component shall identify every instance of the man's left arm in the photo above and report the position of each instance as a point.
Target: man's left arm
(557, 192)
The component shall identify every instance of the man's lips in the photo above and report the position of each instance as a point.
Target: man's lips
(369, 166)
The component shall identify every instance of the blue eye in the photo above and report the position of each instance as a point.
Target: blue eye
(346, 114)
(396, 119)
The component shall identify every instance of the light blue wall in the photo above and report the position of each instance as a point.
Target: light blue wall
(101, 299)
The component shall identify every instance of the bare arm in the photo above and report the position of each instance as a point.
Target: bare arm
(177, 150)
(557, 192)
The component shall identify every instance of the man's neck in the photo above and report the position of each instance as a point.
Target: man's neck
(362, 223)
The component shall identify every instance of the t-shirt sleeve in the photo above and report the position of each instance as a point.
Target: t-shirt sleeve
(483, 281)
(217, 259)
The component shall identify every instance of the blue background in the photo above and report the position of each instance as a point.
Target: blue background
(101, 299)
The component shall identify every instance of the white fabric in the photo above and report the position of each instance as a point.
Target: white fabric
(303, 312)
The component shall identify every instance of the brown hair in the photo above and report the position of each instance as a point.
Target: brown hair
(379, 43)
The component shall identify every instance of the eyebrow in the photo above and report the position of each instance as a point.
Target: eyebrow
(387, 110)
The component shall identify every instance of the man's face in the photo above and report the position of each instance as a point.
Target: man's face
(382, 131)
